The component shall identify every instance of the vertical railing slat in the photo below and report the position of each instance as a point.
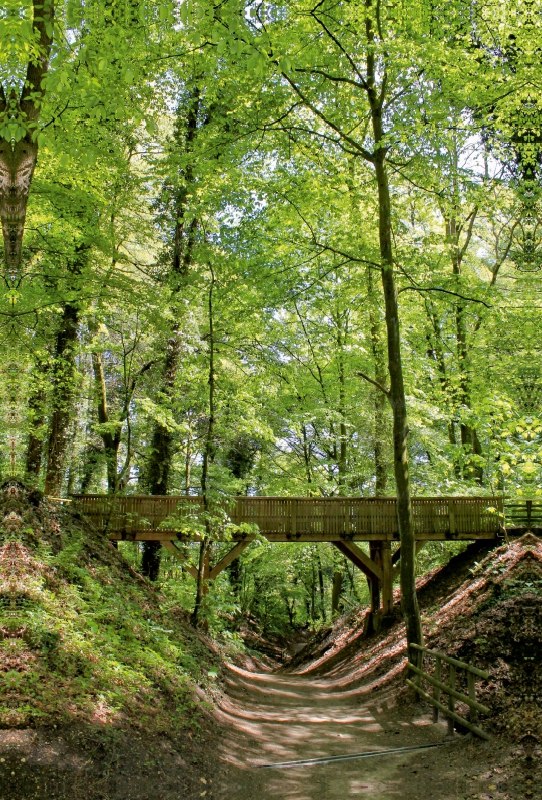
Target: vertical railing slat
(436, 689)
(451, 700)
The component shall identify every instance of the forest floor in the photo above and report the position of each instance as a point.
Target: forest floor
(345, 694)
(104, 690)
(270, 718)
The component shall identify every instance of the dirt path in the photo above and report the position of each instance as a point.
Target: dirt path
(270, 718)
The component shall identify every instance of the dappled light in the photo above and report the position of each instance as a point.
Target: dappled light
(270, 399)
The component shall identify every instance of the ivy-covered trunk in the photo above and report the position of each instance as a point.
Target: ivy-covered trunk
(378, 347)
(63, 381)
(208, 457)
(161, 450)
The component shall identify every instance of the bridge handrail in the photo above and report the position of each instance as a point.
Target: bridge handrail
(333, 516)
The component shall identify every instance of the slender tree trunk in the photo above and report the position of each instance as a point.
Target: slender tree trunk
(336, 591)
(208, 457)
(409, 600)
(343, 441)
(321, 585)
(469, 437)
(306, 453)
(187, 463)
(313, 594)
(111, 441)
(380, 416)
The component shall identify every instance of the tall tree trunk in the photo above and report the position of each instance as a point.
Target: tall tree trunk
(321, 585)
(336, 591)
(409, 600)
(162, 441)
(436, 352)
(208, 457)
(161, 451)
(342, 462)
(380, 417)
(63, 380)
(469, 437)
(111, 441)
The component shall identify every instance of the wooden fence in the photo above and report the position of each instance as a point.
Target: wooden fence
(435, 680)
(524, 514)
(302, 518)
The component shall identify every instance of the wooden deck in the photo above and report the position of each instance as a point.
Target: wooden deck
(281, 519)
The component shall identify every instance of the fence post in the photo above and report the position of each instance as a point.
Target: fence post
(473, 714)
(436, 690)
(451, 700)
(420, 666)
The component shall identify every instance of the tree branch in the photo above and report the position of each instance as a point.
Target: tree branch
(445, 291)
(361, 150)
(375, 383)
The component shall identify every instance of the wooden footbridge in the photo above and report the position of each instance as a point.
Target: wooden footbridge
(342, 521)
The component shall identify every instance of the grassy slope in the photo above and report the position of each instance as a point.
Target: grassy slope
(85, 643)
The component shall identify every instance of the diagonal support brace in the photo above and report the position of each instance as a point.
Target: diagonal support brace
(359, 558)
(234, 553)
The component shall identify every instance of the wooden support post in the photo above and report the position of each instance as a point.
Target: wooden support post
(359, 558)
(451, 513)
(436, 689)
(387, 579)
(293, 517)
(375, 550)
(451, 699)
(473, 713)
(228, 558)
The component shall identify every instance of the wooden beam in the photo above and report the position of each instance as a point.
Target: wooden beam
(153, 535)
(182, 558)
(234, 553)
(359, 558)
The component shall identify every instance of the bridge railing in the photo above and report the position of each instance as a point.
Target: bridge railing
(329, 517)
(523, 513)
(449, 689)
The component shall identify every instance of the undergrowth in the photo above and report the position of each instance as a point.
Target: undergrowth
(82, 636)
